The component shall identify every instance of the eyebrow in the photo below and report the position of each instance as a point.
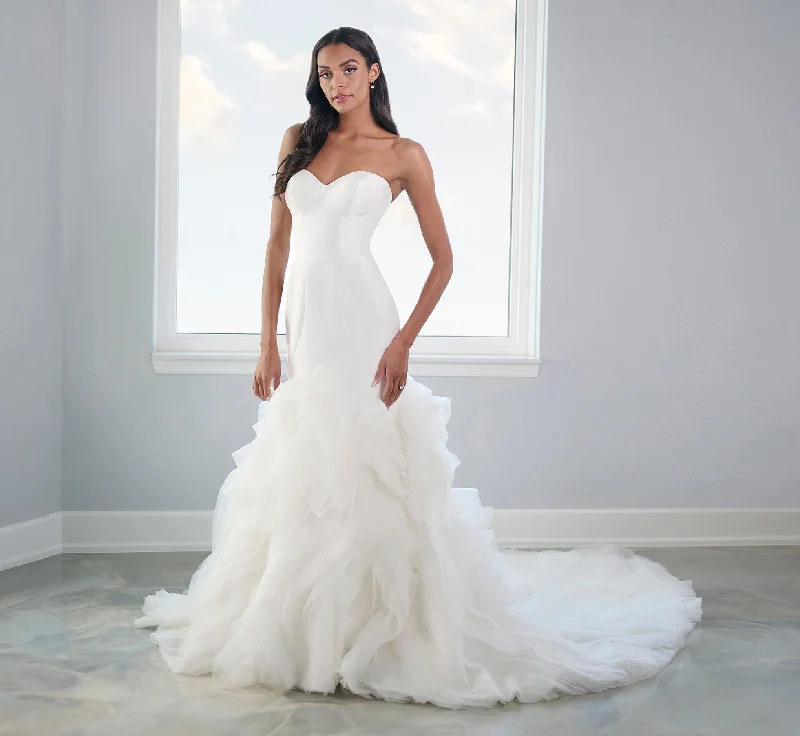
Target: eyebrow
(349, 61)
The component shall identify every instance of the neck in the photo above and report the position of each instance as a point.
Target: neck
(356, 122)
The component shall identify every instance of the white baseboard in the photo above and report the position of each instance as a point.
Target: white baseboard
(152, 531)
(29, 541)
(137, 531)
(544, 528)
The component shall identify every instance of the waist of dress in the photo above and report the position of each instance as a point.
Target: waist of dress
(328, 233)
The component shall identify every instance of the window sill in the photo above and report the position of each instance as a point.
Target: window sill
(230, 363)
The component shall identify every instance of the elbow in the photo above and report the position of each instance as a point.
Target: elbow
(445, 266)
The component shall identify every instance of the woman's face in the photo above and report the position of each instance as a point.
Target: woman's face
(344, 76)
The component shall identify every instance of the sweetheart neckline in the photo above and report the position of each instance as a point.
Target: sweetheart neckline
(357, 171)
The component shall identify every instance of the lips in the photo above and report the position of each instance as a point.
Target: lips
(341, 98)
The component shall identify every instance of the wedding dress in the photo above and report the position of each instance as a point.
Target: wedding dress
(341, 555)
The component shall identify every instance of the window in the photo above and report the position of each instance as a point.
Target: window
(466, 80)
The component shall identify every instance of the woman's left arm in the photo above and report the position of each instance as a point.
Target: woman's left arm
(419, 185)
(417, 180)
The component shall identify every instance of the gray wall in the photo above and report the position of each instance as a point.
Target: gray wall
(31, 407)
(670, 314)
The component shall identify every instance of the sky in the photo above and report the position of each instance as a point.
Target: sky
(449, 67)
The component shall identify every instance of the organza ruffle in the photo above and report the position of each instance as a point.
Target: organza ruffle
(342, 555)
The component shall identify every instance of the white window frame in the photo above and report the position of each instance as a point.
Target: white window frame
(516, 355)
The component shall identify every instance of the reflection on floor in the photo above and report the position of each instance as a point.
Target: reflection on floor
(70, 663)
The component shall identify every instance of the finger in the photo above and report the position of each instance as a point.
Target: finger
(392, 392)
(399, 391)
(387, 390)
(401, 382)
(379, 373)
(276, 381)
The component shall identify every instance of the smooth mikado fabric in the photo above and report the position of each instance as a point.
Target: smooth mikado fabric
(341, 554)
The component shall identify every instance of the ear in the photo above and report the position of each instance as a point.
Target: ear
(374, 72)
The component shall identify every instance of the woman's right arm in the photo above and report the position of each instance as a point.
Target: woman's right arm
(267, 376)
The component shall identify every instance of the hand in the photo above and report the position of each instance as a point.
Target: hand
(268, 371)
(393, 368)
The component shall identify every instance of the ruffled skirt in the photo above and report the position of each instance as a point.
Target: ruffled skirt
(341, 555)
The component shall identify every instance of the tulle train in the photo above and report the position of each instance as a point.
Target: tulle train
(341, 554)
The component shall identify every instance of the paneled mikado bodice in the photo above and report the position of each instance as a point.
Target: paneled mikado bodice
(339, 310)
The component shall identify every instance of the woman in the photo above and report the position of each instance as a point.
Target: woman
(340, 552)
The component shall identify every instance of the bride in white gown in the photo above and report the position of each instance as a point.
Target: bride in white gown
(341, 554)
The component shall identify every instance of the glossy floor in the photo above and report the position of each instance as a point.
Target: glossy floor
(70, 663)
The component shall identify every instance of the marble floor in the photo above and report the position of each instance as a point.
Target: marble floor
(71, 664)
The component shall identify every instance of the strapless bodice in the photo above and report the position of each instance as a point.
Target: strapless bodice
(353, 204)
(339, 310)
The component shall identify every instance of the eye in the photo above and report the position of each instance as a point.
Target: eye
(322, 76)
(351, 68)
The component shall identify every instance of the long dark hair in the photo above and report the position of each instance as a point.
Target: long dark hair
(322, 117)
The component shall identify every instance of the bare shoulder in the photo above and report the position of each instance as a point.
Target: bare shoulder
(289, 141)
(413, 159)
(292, 135)
(410, 152)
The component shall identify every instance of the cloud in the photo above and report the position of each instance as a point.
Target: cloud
(435, 47)
(473, 38)
(210, 15)
(471, 110)
(270, 62)
(204, 110)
